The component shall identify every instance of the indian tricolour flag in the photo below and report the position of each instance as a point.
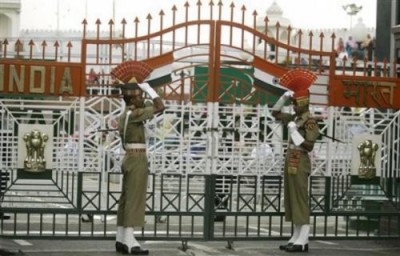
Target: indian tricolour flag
(162, 69)
(266, 77)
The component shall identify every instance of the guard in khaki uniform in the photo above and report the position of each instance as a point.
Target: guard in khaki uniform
(303, 132)
(132, 203)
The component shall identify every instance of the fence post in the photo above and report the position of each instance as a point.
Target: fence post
(79, 191)
(209, 211)
(328, 195)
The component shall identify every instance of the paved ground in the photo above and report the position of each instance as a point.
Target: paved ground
(172, 248)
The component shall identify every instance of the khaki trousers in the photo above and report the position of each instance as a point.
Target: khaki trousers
(132, 203)
(296, 192)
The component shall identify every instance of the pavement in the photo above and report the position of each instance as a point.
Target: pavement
(197, 248)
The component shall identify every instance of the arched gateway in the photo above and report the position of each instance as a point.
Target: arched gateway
(216, 153)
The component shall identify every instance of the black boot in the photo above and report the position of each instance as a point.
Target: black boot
(283, 247)
(119, 247)
(298, 248)
(136, 250)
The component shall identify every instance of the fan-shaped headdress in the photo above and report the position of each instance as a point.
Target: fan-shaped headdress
(129, 74)
(298, 81)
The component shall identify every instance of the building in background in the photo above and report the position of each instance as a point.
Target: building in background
(10, 11)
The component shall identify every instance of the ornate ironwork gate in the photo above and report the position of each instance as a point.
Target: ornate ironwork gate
(216, 154)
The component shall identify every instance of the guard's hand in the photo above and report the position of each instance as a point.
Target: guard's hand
(144, 86)
(288, 94)
(292, 125)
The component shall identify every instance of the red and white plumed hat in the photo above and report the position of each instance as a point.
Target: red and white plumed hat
(129, 74)
(299, 81)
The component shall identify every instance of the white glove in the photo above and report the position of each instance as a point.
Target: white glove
(281, 102)
(294, 134)
(147, 89)
(288, 94)
(292, 126)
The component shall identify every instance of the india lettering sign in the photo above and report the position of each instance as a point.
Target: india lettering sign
(359, 92)
(41, 78)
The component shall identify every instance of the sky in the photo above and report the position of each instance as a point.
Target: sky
(312, 14)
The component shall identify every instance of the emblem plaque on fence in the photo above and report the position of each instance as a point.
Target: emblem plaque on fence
(367, 151)
(366, 160)
(35, 147)
(35, 143)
